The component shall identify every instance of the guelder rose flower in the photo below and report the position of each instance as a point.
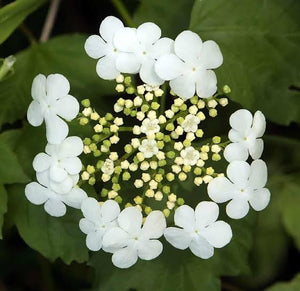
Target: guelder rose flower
(190, 123)
(245, 185)
(245, 135)
(98, 219)
(146, 47)
(132, 241)
(108, 167)
(190, 156)
(51, 100)
(148, 148)
(200, 231)
(150, 127)
(189, 69)
(102, 48)
(54, 203)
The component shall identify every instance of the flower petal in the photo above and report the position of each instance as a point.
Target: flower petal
(130, 219)
(57, 86)
(241, 120)
(63, 187)
(94, 240)
(106, 68)
(218, 234)
(66, 107)
(260, 199)
(183, 86)
(35, 115)
(148, 33)
(169, 67)
(110, 211)
(75, 198)
(211, 56)
(72, 165)
(206, 213)
(55, 208)
(57, 174)
(256, 149)
(235, 136)
(38, 88)
(236, 152)
(259, 174)
(125, 40)
(41, 162)
(125, 258)
(162, 47)
(115, 238)
(237, 208)
(155, 225)
(36, 193)
(220, 189)
(128, 63)
(188, 46)
(238, 172)
(86, 226)
(206, 86)
(95, 47)
(178, 237)
(56, 129)
(72, 146)
(91, 209)
(201, 248)
(148, 75)
(259, 124)
(149, 249)
(108, 28)
(43, 178)
(185, 217)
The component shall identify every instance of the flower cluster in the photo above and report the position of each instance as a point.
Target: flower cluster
(138, 155)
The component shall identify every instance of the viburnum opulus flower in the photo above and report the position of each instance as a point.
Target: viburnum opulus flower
(130, 240)
(199, 230)
(245, 185)
(150, 126)
(190, 156)
(245, 135)
(149, 148)
(189, 68)
(190, 123)
(51, 101)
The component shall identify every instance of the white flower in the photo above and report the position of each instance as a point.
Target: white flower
(189, 69)
(200, 231)
(133, 241)
(150, 127)
(148, 148)
(98, 219)
(102, 48)
(146, 47)
(51, 100)
(108, 167)
(245, 185)
(245, 135)
(190, 123)
(190, 156)
(60, 161)
(54, 203)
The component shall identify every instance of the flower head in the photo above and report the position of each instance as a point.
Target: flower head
(199, 230)
(190, 123)
(245, 186)
(108, 167)
(190, 156)
(150, 127)
(148, 148)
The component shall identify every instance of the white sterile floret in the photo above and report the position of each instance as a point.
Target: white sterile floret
(150, 127)
(148, 148)
(189, 69)
(190, 123)
(51, 102)
(131, 240)
(97, 220)
(146, 47)
(108, 167)
(200, 231)
(190, 156)
(245, 135)
(102, 48)
(244, 185)
(54, 203)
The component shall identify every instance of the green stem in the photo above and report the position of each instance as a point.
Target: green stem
(163, 99)
(7, 66)
(28, 33)
(123, 12)
(125, 129)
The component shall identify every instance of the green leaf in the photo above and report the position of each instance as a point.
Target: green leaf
(260, 42)
(53, 237)
(171, 16)
(13, 14)
(3, 206)
(293, 285)
(63, 54)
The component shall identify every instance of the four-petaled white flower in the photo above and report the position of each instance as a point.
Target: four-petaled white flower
(108, 167)
(190, 156)
(148, 148)
(131, 240)
(245, 185)
(54, 203)
(51, 100)
(245, 135)
(150, 127)
(189, 69)
(146, 47)
(190, 123)
(98, 219)
(200, 231)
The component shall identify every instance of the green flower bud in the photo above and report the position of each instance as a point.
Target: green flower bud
(116, 187)
(167, 138)
(171, 154)
(107, 143)
(161, 171)
(97, 153)
(187, 143)
(170, 177)
(180, 201)
(104, 192)
(166, 189)
(92, 181)
(199, 133)
(86, 103)
(118, 170)
(183, 107)
(118, 199)
(159, 136)
(194, 100)
(106, 131)
(103, 121)
(127, 111)
(115, 179)
(93, 147)
(213, 112)
(160, 144)
(216, 157)
(127, 80)
(180, 120)
(155, 105)
(166, 212)
(186, 168)
(126, 176)
(197, 171)
(158, 178)
(90, 169)
(162, 163)
(145, 108)
(130, 90)
(132, 113)
(87, 141)
(170, 127)
(226, 89)
(128, 148)
(147, 210)
(216, 139)
(109, 116)
(174, 108)
(99, 164)
(83, 121)
(96, 137)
